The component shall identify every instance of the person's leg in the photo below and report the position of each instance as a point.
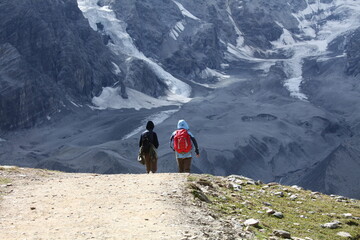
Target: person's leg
(154, 165)
(180, 162)
(187, 164)
(147, 162)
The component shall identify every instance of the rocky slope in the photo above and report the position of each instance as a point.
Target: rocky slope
(49, 57)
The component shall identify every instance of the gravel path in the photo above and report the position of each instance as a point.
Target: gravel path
(91, 206)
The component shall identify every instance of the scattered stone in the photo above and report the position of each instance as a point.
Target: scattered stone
(278, 214)
(341, 198)
(199, 194)
(347, 215)
(252, 222)
(293, 197)
(297, 187)
(352, 223)
(32, 208)
(331, 225)
(280, 194)
(344, 234)
(267, 204)
(247, 202)
(282, 234)
(273, 184)
(270, 211)
(250, 182)
(234, 186)
(272, 238)
(258, 182)
(205, 182)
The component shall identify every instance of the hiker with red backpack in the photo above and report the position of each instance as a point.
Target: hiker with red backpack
(148, 144)
(180, 142)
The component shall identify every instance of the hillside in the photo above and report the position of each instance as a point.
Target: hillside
(42, 204)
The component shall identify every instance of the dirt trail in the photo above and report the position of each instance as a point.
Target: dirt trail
(90, 206)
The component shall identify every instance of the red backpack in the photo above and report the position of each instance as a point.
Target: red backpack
(182, 141)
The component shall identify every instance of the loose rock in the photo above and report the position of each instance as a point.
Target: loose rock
(344, 234)
(282, 234)
(278, 214)
(280, 194)
(331, 225)
(251, 222)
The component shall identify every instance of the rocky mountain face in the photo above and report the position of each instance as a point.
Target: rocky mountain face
(269, 88)
(49, 55)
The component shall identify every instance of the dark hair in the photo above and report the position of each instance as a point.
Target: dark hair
(150, 125)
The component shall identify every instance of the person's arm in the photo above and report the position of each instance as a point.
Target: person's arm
(195, 144)
(171, 139)
(156, 141)
(140, 142)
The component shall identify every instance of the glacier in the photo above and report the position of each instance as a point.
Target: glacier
(123, 44)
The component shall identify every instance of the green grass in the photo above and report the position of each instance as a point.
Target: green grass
(315, 209)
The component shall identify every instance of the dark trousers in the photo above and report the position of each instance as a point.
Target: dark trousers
(184, 164)
(150, 163)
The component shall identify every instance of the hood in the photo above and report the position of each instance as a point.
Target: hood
(183, 124)
(150, 125)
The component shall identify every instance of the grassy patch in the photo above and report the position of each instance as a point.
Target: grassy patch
(303, 211)
(9, 169)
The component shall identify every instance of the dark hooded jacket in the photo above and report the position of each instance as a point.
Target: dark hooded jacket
(151, 135)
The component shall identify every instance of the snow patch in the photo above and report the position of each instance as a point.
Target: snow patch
(176, 30)
(110, 98)
(285, 39)
(224, 65)
(240, 40)
(245, 53)
(76, 105)
(208, 72)
(117, 70)
(184, 11)
(155, 118)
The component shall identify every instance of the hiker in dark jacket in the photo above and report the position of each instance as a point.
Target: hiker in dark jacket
(180, 142)
(148, 144)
